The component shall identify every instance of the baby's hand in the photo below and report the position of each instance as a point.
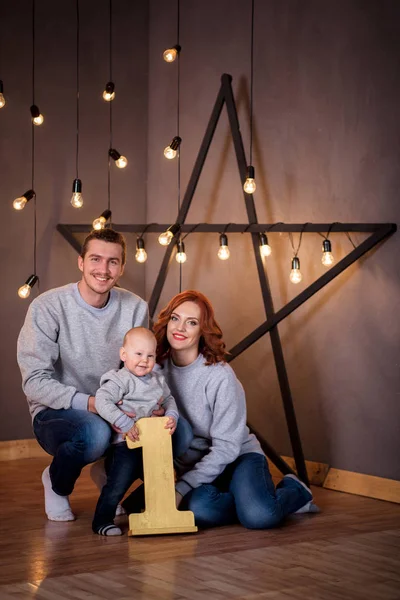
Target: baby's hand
(171, 425)
(133, 434)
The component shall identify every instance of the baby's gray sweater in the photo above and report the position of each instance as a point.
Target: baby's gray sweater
(66, 345)
(139, 394)
(213, 401)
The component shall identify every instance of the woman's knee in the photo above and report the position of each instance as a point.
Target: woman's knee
(258, 517)
(211, 508)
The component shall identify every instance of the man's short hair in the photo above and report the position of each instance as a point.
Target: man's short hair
(105, 235)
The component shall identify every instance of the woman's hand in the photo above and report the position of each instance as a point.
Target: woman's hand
(171, 425)
(133, 434)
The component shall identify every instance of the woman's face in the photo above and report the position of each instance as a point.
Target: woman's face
(183, 329)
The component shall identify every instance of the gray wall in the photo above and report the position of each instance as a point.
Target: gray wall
(326, 148)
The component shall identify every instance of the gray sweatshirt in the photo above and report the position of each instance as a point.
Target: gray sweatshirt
(66, 345)
(212, 399)
(139, 394)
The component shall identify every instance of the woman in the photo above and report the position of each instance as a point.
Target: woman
(223, 477)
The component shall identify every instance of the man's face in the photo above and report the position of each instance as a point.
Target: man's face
(101, 266)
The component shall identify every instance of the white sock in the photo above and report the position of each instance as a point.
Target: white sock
(109, 529)
(310, 507)
(99, 477)
(57, 507)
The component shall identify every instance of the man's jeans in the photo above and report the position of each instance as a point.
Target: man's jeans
(245, 493)
(74, 438)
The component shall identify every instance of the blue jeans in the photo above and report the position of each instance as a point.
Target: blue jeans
(245, 493)
(123, 466)
(74, 438)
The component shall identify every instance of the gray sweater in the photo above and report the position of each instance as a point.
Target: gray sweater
(212, 399)
(139, 394)
(66, 345)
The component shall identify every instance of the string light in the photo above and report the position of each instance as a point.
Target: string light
(250, 183)
(295, 274)
(170, 151)
(100, 222)
(265, 248)
(37, 117)
(327, 256)
(181, 254)
(223, 252)
(141, 254)
(109, 92)
(120, 161)
(165, 238)
(76, 199)
(19, 203)
(25, 290)
(170, 54)
(2, 99)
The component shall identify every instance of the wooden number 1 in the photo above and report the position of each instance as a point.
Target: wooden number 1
(161, 514)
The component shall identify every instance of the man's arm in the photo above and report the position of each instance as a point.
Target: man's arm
(37, 352)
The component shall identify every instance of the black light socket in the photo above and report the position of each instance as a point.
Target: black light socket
(28, 195)
(140, 243)
(181, 246)
(174, 228)
(1, 86)
(326, 246)
(35, 112)
(32, 279)
(263, 239)
(295, 262)
(223, 239)
(250, 172)
(115, 155)
(110, 87)
(176, 142)
(106, 214)
(177, 47)
(77, 186)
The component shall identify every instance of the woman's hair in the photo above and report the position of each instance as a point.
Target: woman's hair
(211, 344)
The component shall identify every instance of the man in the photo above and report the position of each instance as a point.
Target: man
(70, 338)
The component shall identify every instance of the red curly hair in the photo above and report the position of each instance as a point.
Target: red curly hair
(211, 344)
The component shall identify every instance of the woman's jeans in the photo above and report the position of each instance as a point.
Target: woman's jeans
(74, 438)
(245, 493)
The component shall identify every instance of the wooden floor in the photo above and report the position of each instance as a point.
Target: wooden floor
(351, 551)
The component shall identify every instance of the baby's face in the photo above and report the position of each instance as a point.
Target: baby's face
(139, 354)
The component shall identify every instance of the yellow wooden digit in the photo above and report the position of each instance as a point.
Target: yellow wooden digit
(161, 514)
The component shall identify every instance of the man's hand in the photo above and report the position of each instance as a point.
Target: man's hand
(91, 406)
(158, 412)
(178, 498)
(171, 425)
(133, 434)
(131, 414)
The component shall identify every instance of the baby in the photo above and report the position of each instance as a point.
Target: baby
(124, 397)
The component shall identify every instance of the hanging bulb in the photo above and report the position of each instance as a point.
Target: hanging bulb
(109, 92)
(223, 252)
(25, 290)
(181, 254)
(295, 274)
(76, 199)
(250, 184)
(165, 238)
(170, 151)
(265, 248)
(19, 203)
(327, 256)
(100, 222)
(37, 117)
(120, 161)
(2, 99)
(141, 254)
(170, 54)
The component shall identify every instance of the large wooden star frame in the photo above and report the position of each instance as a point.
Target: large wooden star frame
(377, 231)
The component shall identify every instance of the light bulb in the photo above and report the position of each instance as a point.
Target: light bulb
(141, 255)
(25, 290)
(295, 274)
(109, 92)
(19, 203)
(223, 252)
(77, 200)
(181, 254)
(121, 162)
(169, 152)
(250, 183)
(165, 238)
(38, 120)
(170, 54)
(265, 248)
(99, 223)
(2, 101)
(327, 256)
